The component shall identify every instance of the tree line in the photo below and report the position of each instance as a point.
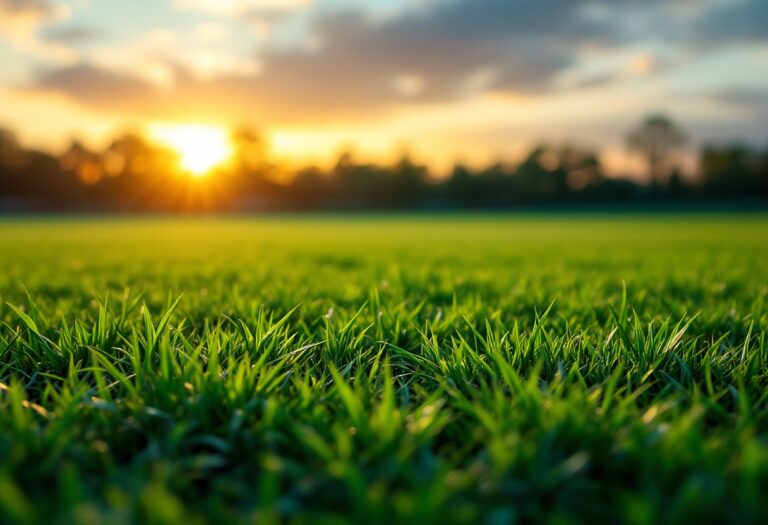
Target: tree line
(133, 174)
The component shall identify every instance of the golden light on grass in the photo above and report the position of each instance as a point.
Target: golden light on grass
(200, 147)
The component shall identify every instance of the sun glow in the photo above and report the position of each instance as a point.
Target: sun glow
(200, 147)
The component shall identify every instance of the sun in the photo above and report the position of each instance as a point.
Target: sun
(200, 147)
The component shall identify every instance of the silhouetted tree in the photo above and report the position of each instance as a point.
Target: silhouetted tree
(131, 155)
(656, 139)
(86, 164)
(11, 153)
(582, 167)
(734, 170)
(32, 179)
(131, 173)
(250, 150)
(409, 181)
(460, 187)
(541, 175)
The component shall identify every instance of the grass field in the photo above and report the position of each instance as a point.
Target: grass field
(420, 370)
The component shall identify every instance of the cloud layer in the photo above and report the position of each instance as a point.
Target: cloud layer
(355, 65)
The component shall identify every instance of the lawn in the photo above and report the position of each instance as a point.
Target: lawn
(357, 369)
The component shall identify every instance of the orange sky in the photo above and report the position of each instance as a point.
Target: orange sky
(444, 80)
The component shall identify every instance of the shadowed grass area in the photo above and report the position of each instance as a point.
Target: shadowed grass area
(307, 370)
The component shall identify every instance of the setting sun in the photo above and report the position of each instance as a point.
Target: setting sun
(200, 147)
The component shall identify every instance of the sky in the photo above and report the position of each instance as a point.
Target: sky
(445, 81)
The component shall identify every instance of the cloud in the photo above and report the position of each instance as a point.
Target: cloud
(24, 16)
(450, 50)
(97, 86)
(749, 101)
(71, 35)
(742, 117)
(159, 56)
(21, 19)
(40, 7)
(210, 32)
(260, 15)
(731, 21)
(240, 7)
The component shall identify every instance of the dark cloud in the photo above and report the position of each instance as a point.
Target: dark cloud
(451, 49)
(269, 14)
(95, 86)
(745, 121)
(511, 44)
(42, 7)
(71, 35)
(734, 22)
(446, 47)
(751, 100)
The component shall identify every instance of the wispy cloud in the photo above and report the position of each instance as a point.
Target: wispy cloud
(350, 64)
(453, 50)
(71, 35)
(240, 7)
(21, 19)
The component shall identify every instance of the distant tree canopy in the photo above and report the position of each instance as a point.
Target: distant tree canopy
(11, 154)
(734, 170)
(134, 174)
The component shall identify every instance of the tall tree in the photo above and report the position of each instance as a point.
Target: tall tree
(250, 150)
(11, 152)
(657, 139)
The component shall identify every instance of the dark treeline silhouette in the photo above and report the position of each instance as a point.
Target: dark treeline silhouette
(132, 174)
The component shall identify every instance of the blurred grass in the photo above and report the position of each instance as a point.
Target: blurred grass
(349, 369)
